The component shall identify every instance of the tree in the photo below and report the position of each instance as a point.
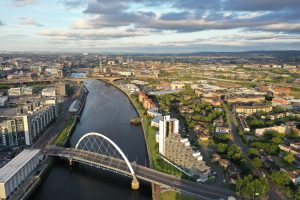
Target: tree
(257, 162)
(222, 147)
(234, 153)
(297, 195)
(278, 109)
(252, 152)
(289, 158)
(251, 187)
(280, 178)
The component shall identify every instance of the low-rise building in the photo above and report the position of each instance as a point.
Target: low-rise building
(294, 176)
(259, 132)
(3, 101)
(146, 101)
(222, 130)
(49, 92)
(153, 112)
(14, 173)
(251, 109)
(244, 98)
(20, 91)
(243, 123)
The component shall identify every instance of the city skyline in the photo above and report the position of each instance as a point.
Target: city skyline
(149, 26)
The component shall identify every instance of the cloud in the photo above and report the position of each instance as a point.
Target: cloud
(193, 15)
(176, 16)
(27, 21)
(20, 3)
(92, 35)
(259, 5)
(72, 3)
(1, 23)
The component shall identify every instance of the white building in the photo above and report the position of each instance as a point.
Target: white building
(14, 173)
(20, 91)
(166, 126)
(49, 92)
(3, 101)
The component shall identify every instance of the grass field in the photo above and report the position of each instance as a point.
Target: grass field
(172, 195)
(62, 138)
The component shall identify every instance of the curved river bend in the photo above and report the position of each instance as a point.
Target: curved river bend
(107, 111)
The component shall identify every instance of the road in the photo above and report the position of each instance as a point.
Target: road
(273, 193)
(198, 190)
(52, 132)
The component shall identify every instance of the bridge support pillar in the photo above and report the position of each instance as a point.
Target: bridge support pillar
(70, 161)
(135, 185)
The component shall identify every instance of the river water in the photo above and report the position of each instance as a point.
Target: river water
(107, 111)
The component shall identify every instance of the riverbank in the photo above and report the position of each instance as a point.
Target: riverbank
(152, 149)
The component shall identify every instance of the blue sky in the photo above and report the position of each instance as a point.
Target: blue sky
(149, 26)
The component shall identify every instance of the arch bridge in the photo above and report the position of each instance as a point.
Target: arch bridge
(97, 150)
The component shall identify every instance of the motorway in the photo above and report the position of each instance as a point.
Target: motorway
(273, 193)
(199, 190)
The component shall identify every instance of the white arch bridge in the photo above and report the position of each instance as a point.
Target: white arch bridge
(97, 150)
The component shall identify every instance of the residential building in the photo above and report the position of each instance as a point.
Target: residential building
(259, 132)
(62, 89)
(146, 101)
(153, 112)
(243, 123)
(294, 176)
(251, 109)
(244, 98)
(31, 120)
(167, 126)
(178, 150)
(20, 91)
(49, 92)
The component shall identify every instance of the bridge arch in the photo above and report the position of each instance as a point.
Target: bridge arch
(112, 143)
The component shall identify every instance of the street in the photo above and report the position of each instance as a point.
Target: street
(273, 194)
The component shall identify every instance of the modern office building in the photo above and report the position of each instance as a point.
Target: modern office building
(15, 173)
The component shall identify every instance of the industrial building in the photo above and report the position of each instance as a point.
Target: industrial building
(15, 173)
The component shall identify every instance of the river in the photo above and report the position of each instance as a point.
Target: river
(107, 111)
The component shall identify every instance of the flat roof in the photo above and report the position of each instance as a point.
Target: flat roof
(11, 168)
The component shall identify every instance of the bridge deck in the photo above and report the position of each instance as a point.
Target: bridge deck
(198, 190)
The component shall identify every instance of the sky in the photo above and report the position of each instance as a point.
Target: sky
(149, 26)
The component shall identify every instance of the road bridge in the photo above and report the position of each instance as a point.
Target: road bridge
(99, 151)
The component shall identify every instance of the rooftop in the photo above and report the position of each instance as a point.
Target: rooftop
(11, 168)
